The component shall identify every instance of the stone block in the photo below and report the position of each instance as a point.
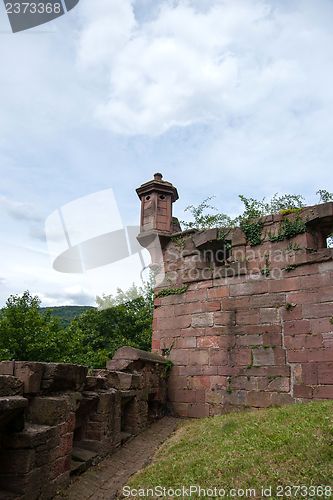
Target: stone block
(324, 310)
(186, 342)
(269, 300)
(269, 315)
(280, 398)
(323, 392)
(180, 357)
(218, 357)
(218, 292)
(253, 287)
(189, 308)
(249, 340)
(250, 317)
(49, 410)
(198, 357)
(180, 409)
(63, 377)
(10, 386)
(263, 357)
(32, 436)
(66, 444)
(96, 383)
(198, 410)
(309, 373)
(303, 391)
(105, 402)
(325, 373)
(242, 357)
(174, 323)
(59, 467)
(208, 342)
(30, 373)
(297, 327)
(125, 381)
(213, 306)
(279, 384)
(7, 367)
(189, 296)
(258, 399)
(202, 320)
(284, 285)
(225, 318)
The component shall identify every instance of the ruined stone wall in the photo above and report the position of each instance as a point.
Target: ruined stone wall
(248, 326)
(56, 419)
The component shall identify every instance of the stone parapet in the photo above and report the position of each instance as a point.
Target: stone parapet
(56, 419)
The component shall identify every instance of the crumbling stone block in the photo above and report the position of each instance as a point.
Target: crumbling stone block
(49, 410)
(30, 373)
(10, 386)
(7, 367)
(63, 377)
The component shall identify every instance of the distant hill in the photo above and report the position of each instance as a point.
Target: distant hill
(66, 314)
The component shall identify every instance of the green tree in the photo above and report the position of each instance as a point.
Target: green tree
(26, 334)
(100, 333)
(124, 297)
(324, 196)
(31, 334)
(121, 297)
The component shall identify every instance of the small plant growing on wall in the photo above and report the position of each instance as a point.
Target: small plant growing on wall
(205, 216)
(324, 196)
(204, 219)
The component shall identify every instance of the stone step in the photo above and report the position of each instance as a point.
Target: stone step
(78, 467)
(81, 460)
(82, 455)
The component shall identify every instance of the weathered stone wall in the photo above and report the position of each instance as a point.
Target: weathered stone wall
(56, 419)
(248, 326)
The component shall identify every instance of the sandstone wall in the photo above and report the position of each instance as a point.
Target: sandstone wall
(56, 419)
(248, 326)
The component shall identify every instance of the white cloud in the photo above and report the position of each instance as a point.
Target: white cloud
(70, 296)
(20, 210)
(190, 66)
(227, 97)
(107, 27)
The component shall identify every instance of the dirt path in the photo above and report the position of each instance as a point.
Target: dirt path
(102, 481)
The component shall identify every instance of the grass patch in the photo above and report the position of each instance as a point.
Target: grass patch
(291, 445)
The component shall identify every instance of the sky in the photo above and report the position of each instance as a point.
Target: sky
(224, 97)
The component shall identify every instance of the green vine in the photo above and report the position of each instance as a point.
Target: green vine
(288, 211)
(252, 231)
(172, 291)
(167, 368)
(290, 267)
(266, 271)
(293, 247)
(179, 241)
(288, 229)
